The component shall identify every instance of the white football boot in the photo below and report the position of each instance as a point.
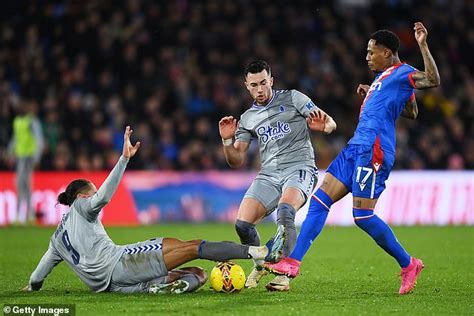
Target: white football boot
(279, 283)
(258, 272)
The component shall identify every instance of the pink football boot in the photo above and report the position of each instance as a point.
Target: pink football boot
(286, 266)
(410, 274)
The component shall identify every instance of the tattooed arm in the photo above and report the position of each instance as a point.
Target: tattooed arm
(411, 109)
(430, 77)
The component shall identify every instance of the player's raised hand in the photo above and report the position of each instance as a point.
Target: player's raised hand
(128, 149)
(421, 33)
(227, 127)
(362, 89)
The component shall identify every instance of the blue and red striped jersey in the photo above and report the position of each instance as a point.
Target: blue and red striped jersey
(383, 104)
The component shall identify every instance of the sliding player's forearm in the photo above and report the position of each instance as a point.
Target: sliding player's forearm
(431, 70)
(44, 267)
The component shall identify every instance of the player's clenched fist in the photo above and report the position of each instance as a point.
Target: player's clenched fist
(227, 127)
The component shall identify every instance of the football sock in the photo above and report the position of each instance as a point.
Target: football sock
(313, 224)
(192, 280)
(286, 217)
(222, 251)
(382, 234)
(247, 233)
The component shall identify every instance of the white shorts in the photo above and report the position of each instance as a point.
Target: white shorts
(141, 265)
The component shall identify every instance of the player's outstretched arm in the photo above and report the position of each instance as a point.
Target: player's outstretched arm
(320, 121)
(411, 109)
(49, 260)
(107, 189)
(234, 152)
(430, 77)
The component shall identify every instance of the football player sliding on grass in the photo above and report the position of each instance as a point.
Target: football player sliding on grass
(144, 267)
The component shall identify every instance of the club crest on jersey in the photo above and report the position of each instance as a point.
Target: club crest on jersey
(268, 132)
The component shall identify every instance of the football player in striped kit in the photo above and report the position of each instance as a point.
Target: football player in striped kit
(365, 163)
(145, 267)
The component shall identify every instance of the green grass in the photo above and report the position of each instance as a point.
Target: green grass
(344, 272)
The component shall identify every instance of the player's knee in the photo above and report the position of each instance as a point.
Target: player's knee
(247, 233)
(192, 246)
(320, 201)
(243, 227)
(361, 216)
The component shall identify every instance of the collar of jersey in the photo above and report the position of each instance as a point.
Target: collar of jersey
(254, 105)
(395, 66)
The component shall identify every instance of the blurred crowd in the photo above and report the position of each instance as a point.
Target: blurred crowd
(172, 69)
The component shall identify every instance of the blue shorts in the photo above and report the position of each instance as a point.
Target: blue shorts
(363, 169)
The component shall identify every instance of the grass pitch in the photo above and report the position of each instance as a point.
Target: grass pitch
(344, 272)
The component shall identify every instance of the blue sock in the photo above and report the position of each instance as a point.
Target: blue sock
(313, 223)
(382, 234)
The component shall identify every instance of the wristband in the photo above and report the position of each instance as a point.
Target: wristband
(227, 142)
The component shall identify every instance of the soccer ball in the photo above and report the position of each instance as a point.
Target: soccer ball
(227, 277)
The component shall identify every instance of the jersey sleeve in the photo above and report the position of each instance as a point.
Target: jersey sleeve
(405, 76)
(91, 207)
(242, 134)
(49, 260)
(302, 103)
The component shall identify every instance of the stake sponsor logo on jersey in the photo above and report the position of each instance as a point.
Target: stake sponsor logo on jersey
(268, 132)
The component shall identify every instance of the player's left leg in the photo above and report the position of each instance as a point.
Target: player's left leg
(260, 199)
(29, 167)
(298, 186)
(368, 183)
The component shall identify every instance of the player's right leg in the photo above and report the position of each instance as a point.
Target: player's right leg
(321, 201)
(177, 252)
(261, 197)
(251, 211)
(334, 187)
(179, 281)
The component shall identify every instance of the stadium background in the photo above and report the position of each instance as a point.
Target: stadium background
(172, 69)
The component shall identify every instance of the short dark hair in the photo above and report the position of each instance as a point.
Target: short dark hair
(77, 186)
(257, 66)
(386, 38)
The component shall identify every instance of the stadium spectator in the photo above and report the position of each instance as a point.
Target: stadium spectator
(26, 147)
(173, 68)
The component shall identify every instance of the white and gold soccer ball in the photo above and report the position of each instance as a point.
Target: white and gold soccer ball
(227, 277)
